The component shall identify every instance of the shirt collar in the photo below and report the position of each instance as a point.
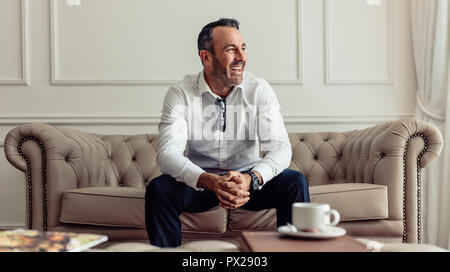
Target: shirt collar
(203, 86)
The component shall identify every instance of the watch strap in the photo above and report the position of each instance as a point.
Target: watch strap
(254, 183)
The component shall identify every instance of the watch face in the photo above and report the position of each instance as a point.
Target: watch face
(255, 184)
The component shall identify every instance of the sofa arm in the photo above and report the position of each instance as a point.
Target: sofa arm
(43, 152)
(393, 154)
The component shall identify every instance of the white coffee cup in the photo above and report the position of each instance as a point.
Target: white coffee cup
(313, 216)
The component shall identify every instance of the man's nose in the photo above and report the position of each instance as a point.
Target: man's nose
(240, 55)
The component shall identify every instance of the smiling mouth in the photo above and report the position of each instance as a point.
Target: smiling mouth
(237, 68)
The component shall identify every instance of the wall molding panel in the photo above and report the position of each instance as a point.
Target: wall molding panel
(58, 79)
(299, 52)
(55, 66)
(330, 77)
(25, 47)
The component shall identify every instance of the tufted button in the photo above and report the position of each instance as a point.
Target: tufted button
(66, 158)
(133, 158)
(301, 140)
(316, 157)
(325, 139)
(382, 155)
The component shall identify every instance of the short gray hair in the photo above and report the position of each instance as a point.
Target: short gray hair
(204, 41)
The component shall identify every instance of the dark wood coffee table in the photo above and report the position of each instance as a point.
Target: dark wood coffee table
(272, 241)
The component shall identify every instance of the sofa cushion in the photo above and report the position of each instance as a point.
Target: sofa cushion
(124, 207)
(354, 201)
(241, 219)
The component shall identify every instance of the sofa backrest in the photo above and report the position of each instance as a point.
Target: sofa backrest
(131, 160)
(319, 156)
(86, 159)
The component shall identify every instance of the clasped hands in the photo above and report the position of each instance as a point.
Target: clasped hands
(231, 189)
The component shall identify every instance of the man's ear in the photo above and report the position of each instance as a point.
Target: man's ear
(205, 56)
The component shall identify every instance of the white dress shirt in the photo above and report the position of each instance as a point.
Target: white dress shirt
(192, 138)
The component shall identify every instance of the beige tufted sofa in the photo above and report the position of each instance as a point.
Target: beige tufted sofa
(78, 181)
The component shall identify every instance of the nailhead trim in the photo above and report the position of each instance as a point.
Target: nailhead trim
(419, 188)
(29, 181)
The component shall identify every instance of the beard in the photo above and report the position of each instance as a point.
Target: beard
(222, 72)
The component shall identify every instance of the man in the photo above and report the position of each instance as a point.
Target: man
(221, 118)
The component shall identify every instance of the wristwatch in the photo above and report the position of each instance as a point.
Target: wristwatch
(254, 183)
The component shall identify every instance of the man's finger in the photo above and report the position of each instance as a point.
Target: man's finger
(226, 207)
(224, 202)
(237, 179)
(243, 200)
(226, 184)
(225, 178)
(234, 190)
(244, 193)
(221, 194)
(240, 202)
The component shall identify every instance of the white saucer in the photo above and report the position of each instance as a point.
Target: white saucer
(328, 233)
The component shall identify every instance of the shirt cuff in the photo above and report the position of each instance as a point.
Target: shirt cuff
(191, 177)
(265, 171)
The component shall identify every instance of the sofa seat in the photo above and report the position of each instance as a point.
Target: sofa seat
(124, 207)
(354, 201)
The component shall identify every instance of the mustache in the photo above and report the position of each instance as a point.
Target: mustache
(237, 63)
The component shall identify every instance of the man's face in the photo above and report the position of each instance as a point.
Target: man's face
(229, 57)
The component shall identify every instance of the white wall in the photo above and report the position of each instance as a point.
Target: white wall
(104, 66)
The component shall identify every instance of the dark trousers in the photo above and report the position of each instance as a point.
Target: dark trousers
(166, 199)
